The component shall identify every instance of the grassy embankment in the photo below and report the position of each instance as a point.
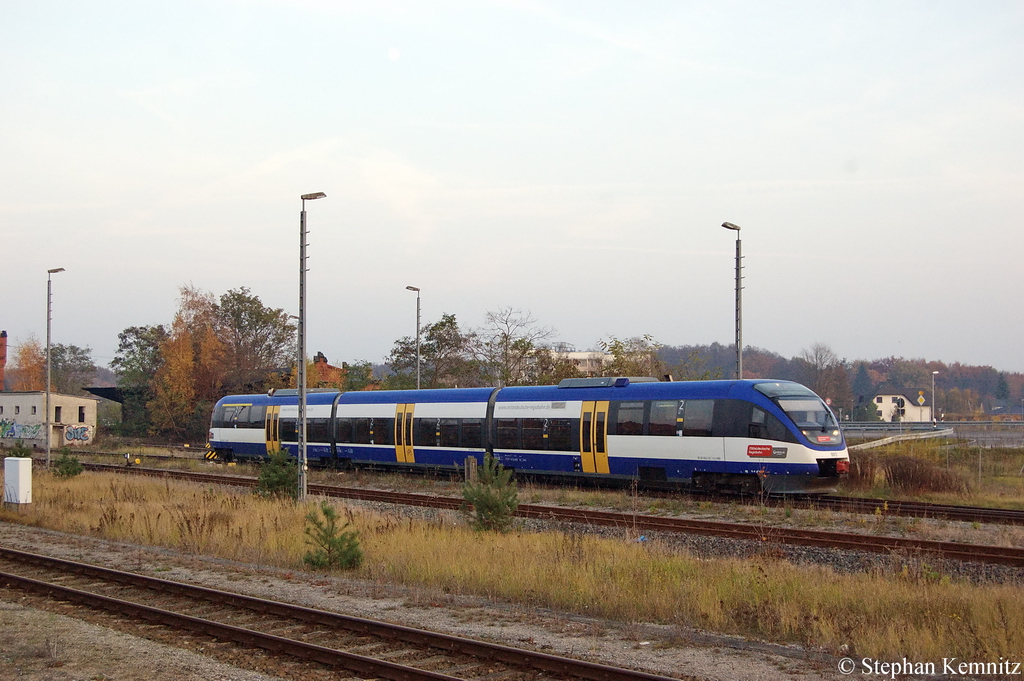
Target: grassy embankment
(918, 615)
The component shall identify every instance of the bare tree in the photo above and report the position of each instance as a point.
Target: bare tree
(506, 346)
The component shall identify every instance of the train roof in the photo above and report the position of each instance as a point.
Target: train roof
(584, 390)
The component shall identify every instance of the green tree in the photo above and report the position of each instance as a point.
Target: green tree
(1002, 388)
(550, 367)
(71, 368)
(358, 375)
(493, 497)
(333, 547)
(138, 355)
(446, 358)
(636, 356)
(279, 477)
(257, 340)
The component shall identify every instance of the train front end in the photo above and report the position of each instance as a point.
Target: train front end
(820, 452)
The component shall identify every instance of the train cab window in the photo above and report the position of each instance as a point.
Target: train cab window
(472, 433)
(344, 430)
(361, 431)
(560, 435)
(533, 434)
(664, 415)
(765, 426)
(698, 417)
(629, 418)
(508, 433)
(384, 431)
(449, 429)
(426, 432)
(257, 416)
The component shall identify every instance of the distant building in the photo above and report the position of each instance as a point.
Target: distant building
(22, 417)
(899, 406)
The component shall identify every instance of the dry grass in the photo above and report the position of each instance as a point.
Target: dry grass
(919, 615)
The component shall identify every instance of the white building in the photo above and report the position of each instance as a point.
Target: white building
(903, 407)
(22, 417)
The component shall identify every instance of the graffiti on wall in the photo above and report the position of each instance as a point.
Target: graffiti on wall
(20, 431)
(75, 434)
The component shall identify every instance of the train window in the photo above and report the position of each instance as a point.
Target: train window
(733, 418)
(384, 431)
(560, 435)
(319, 430)
(508, 433)
(698, 417)
(599, 428)
(449, 429)
(628, 418)
(288, 433)
(361, 431)
(585, 431)
(426, 432)
(472, 432)
(663, 417)
(344, 428)
(533, 434)
(257, 415)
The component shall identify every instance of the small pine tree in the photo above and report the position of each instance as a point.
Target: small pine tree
(279, 477)
(494, 497)
(67, 466)
(333, 547)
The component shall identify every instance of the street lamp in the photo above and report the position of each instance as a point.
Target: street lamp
(413, 288)
(300, 423)
(934, 374)
(739, 301)
(49, 315)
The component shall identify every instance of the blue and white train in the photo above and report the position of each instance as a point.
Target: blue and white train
(749, 435)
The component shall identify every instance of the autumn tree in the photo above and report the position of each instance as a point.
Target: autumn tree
(28, 370)
(191, 375)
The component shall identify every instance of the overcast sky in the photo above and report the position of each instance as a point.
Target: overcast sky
(573, 159)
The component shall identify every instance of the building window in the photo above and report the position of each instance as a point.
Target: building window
(17, 409)
(81, 414)
(33, 410)
(878, 399)
(1, 409)
(56, 414)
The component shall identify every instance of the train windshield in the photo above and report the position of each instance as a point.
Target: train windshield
(807, 410)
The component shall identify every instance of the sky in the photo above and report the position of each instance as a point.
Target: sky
(571, 159)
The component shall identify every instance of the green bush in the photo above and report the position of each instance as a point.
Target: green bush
(494, 497)
(279, 477)
(20, 450)
(67, 466)
(333, 547)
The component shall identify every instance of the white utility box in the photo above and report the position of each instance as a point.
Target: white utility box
(17, 480)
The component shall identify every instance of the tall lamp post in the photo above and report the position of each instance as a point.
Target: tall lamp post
(300, 423)
(739, 300)
(49, 316)
(934, 373)
(413, 288)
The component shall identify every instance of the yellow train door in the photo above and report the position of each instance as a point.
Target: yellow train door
(594, 437)
(273, 429)
(403, 433)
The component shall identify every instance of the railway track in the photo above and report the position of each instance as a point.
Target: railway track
(300, 635)
(648, 523)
